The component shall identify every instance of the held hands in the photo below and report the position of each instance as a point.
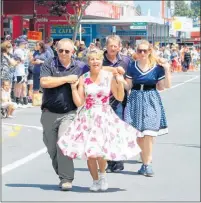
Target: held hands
(118, 71)
(119, 78)
(74, 85)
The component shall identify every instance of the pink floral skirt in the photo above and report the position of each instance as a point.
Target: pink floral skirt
(99, 132)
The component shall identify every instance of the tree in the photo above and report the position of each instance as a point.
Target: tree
(182, 9)
(58, 8)
(195, 9)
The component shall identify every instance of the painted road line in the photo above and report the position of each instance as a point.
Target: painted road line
(20, 162)
(36, 154)
(180, 84)
(21, 125)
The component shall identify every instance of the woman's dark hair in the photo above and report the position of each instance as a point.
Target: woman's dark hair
(42, 46)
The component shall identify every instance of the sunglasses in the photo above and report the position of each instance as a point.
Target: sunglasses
(62, 50)
(142, 50)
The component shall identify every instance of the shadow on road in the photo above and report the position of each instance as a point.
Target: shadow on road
(86, 190)
(56, 188)
(128, 173)
(41, 186)
(131, 162)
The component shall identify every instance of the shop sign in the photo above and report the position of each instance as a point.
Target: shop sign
(139, 24)
(131, 32)
(143, 27)
(66, 31)
(34, 35)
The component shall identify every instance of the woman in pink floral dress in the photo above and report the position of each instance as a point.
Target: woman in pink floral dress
(97, 134)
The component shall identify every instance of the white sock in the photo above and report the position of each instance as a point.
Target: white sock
(102, 175)
(95, 181)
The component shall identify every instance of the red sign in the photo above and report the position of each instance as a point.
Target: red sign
(195, 34)
(33, 35)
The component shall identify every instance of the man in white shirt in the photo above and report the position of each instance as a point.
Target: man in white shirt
(20, 75)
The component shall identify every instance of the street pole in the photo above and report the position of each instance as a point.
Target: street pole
(80, 30)
(147, 32)
(164, 32)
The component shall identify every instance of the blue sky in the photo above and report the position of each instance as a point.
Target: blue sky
(154, 7)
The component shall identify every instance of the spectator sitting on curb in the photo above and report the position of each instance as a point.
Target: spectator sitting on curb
(6, 102)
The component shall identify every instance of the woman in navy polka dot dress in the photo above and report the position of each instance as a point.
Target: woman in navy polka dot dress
(144, 109)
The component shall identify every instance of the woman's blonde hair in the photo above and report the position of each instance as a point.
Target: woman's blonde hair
(96, 52)
(5, 46)
(153, 59)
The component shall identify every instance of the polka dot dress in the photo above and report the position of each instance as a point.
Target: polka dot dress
(144, 109)
(145, 112)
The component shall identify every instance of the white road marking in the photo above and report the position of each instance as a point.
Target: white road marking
(184, 75)
(34, 155)
(20, 162)
(28, 126)
(183, 83)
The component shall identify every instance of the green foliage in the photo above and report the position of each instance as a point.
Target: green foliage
(182, 9)
(195, 8)
(168, 4)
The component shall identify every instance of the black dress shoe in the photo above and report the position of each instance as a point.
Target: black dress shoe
(109, 169)
(119, 166)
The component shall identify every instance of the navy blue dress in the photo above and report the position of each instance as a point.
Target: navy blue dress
(144, 109)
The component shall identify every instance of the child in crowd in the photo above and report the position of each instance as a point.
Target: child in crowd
(6, 102)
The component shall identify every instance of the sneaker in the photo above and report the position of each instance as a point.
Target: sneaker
(65, 186)
(149, 171)
(95, 186)
(146, 170)
(10, 116)
(103, 183)
(142, 170)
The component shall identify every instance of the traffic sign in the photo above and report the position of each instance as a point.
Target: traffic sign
(132, 27)
(139, 23)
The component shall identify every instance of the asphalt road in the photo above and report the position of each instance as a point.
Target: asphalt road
(27, 174)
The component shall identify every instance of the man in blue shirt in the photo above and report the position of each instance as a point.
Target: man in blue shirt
(113, 58)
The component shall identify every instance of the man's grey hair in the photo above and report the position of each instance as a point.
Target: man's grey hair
(113, 37)
(65, 40)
